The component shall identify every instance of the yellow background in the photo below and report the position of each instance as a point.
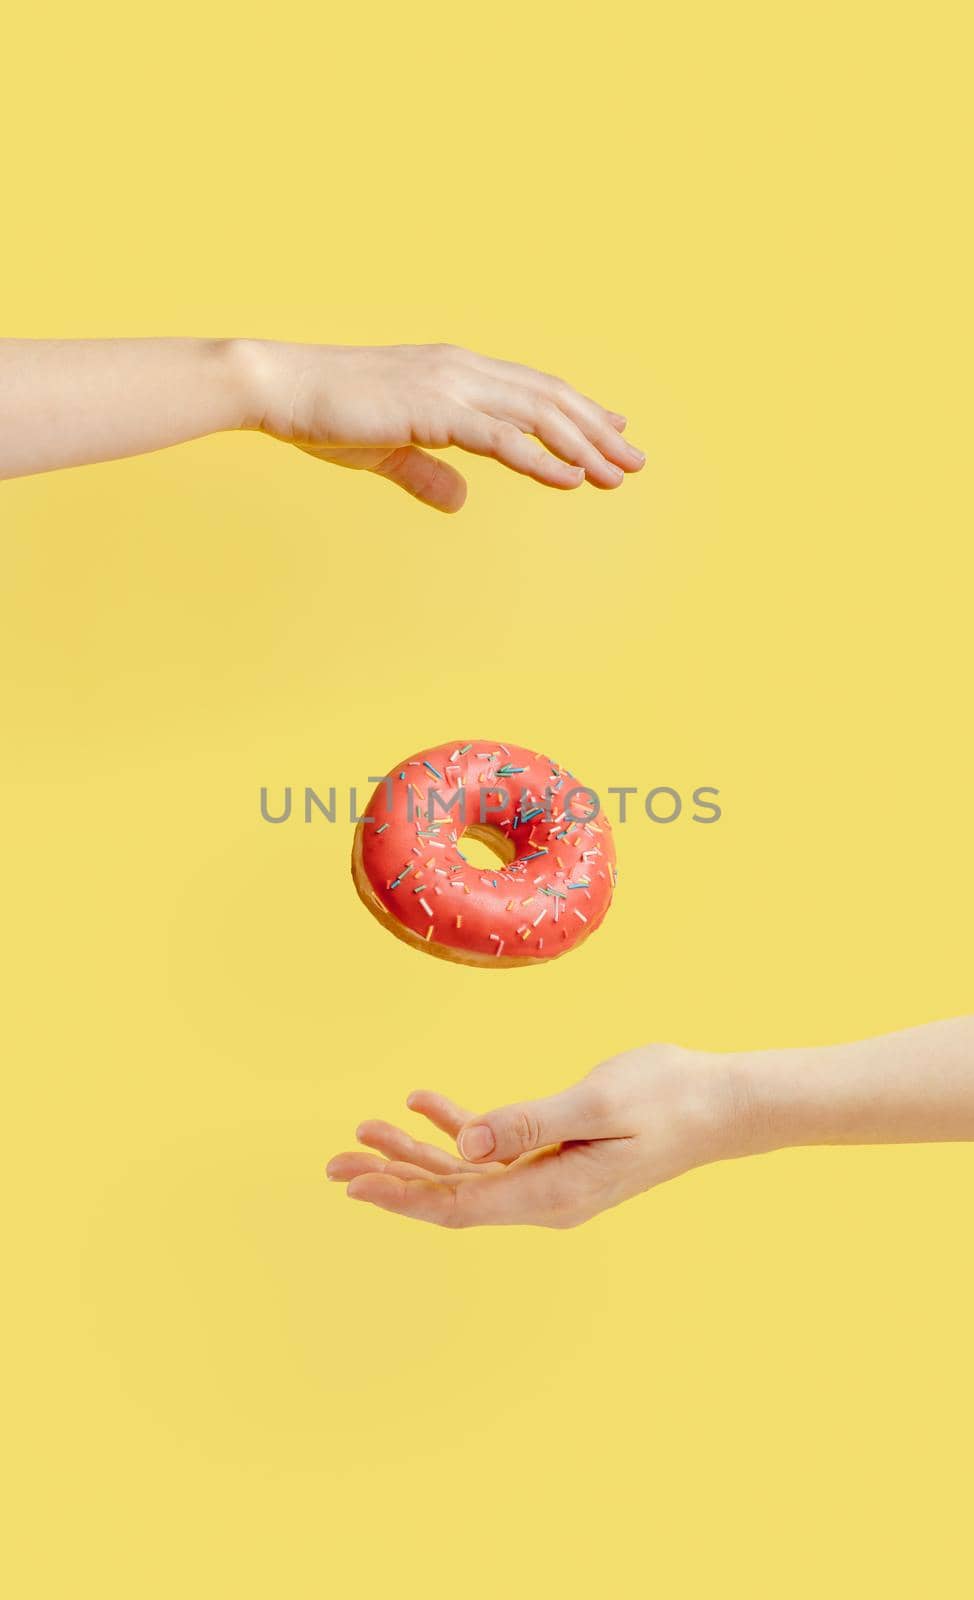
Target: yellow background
(747, 227)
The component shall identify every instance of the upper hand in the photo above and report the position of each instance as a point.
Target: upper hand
(384, 408)
(633, 1122)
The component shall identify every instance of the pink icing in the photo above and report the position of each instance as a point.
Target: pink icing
(553, 893)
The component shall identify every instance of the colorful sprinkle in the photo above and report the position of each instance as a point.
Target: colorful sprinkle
(560, 856)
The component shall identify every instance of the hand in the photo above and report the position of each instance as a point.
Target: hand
(653, 1113)
(383, 409)
(633, 1122)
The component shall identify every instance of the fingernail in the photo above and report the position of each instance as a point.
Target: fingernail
(615, 473)
(475, 1143)
(638, 455)
(619, 418)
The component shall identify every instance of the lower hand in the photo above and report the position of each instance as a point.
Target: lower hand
(632, 1123)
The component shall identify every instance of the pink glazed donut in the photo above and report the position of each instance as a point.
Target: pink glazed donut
(556, 868)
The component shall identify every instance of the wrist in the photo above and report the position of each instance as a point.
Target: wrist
(788, 1097)
(738, 1108)
(703, 1097)
(753, 1126)
(251, 369)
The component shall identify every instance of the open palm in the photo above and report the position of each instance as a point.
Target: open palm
(633, 1122)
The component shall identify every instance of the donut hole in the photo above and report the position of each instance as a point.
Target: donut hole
(485, 846)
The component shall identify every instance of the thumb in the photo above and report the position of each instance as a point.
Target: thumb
(425, 477)
(585, 1111)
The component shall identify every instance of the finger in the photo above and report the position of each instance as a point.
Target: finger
(586, 1111)
(571, 425)
(425, 477)
(427, 1201)
(407, 1169)
(545, 382)
(503, 441)
(352, 1164)
(400, 1146)
(536, 1193)
(444, 1114)
(356, 1163)
(602, 428)
(536, 413)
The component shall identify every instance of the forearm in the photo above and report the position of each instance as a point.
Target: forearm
(67, 402)
(907, 1087)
